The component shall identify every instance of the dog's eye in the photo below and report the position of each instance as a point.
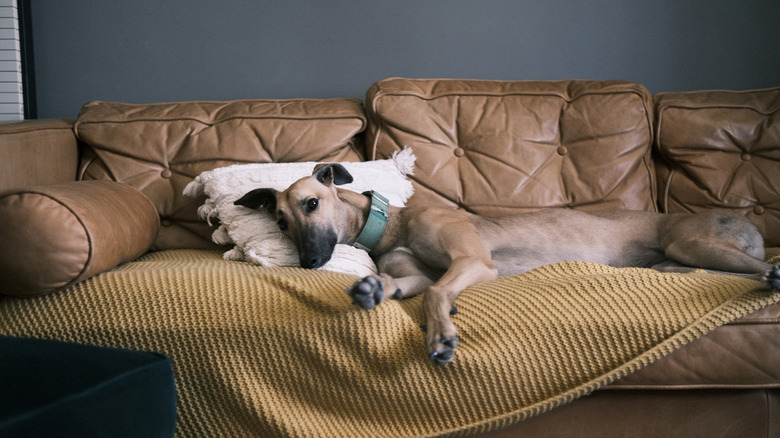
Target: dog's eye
(282, 224)
(312, 205)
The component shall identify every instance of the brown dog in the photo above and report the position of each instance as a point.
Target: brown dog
(442, 251)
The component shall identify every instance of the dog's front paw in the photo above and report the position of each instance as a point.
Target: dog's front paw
(442, 343)
(367, 292)
(772, 277)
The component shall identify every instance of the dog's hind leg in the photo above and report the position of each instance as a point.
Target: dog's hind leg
(720, 241)
(719, 258)
(679, 268)
(772, 277)
(714, 255)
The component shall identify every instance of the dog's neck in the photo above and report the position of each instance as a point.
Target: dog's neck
(357, 216)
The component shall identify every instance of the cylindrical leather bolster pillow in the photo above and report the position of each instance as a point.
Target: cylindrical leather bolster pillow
(54, 236)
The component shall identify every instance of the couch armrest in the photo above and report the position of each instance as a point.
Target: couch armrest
(36, 152)
(57, 235)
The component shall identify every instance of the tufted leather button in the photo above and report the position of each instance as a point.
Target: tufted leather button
(459, 152)
(759, 210)
(562, 150)
(166, 222)
(166, 173)
(746, 156)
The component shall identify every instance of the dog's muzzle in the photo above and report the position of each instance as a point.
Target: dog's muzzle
(316, 248)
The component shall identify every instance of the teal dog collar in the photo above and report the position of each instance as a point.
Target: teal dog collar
(376, 223)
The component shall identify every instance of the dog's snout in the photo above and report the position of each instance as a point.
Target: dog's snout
(315, 246)
(311, 261)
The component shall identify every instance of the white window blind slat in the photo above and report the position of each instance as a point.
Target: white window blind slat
(11, 87)
(11, 76)
(10, 97)
(12, 65)
(10, 45)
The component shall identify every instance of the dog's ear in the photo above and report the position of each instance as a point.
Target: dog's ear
(334, 173)
(259, 198)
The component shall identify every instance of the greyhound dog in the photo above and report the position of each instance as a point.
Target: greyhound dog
(441, 251)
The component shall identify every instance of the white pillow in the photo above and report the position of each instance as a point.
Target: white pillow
(254, 233)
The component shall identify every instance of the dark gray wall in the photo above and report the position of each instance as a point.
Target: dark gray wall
(167, 50)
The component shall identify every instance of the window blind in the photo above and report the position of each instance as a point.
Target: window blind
(11, 94)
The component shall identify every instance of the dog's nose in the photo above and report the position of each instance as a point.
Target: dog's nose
(311, 261)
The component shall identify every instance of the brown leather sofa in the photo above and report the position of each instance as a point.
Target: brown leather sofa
(79, 197)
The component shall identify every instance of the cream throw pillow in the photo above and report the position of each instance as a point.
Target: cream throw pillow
(255, 235)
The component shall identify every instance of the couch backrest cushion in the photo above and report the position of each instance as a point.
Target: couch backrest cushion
(504, 147)
(721, 149)
(160, 148)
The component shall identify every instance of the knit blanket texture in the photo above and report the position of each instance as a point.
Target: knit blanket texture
(281, 351)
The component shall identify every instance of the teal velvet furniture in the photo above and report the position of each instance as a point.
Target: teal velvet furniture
(50, 388)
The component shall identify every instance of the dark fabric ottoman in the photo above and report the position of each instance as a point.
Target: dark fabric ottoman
(50, 388)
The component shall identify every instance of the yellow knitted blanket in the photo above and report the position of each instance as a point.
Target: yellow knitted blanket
(283, 352)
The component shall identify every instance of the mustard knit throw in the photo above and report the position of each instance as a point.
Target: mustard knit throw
(283, 352)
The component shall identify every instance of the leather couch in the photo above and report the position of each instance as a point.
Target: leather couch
(82, 196)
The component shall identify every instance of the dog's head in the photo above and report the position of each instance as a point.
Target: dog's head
(308, 212)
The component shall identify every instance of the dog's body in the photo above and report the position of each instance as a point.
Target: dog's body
(442, 251)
